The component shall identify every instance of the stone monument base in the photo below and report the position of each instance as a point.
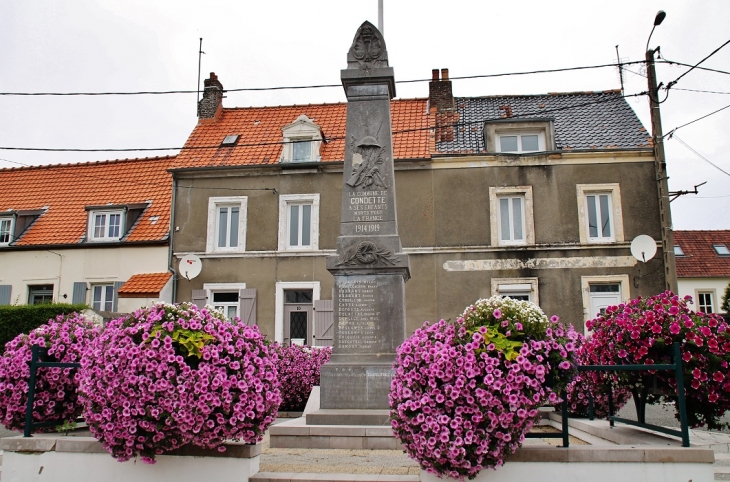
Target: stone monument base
(349, 417)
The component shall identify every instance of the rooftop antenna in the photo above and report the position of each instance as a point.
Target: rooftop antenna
(620, 70)
(200, 55)
(380, 17)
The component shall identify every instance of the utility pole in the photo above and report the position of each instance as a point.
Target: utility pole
(660, 165)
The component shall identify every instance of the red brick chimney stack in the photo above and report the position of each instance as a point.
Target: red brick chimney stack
(440, 94)
(442, 106)
(211, 105)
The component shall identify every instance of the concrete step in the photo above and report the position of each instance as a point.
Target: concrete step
(314, 477)
(722, 460)
(722, 470)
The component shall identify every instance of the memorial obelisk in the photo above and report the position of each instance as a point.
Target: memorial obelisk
(370, 269)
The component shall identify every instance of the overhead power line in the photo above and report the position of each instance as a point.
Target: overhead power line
(326, 139)
(702, 91)
(320, 86)
(672, 62)
(671, 133)
(701, 156)
(672, 83)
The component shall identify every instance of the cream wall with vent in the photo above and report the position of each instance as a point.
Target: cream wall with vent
(63, 267)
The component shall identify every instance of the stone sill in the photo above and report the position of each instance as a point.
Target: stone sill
(608, 454)
(89, 445)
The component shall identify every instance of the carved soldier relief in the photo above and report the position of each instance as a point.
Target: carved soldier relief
(367, 157)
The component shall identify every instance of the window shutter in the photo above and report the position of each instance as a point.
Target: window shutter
(79, 293)
(324, 323)
(247, 306)
(117, 285)
(5, 294)
(200, 298)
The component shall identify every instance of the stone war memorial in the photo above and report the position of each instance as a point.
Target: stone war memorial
(370, 270)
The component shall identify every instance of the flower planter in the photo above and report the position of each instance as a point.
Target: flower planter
(600, 464)
(83, 459)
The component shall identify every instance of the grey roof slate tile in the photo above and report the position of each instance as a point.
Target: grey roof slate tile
(585, 120)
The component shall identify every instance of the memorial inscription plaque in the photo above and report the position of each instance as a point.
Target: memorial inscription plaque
(370, 269)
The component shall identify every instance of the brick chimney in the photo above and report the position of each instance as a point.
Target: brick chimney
(440, 94)
(211, 105)
(442, 106)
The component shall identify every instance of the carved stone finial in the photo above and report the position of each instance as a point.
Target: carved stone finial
(368, 49)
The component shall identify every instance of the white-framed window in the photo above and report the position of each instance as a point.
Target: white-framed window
(106, 225)
(299, 222)
(40, 294)
(301, 141)
(6, 231)
(600, 217)
(706, 301)
(511, 216)
(102, 297)
(520, 142)
(524, 289)
(227, 224)
(225, 298)
(600, 292)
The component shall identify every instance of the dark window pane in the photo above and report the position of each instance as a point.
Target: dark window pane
(298, 327)
(529, 143)
(294, 225)
(222, 227)
(604, 288)
(304, 297)
(306, 224)
(225, 297)
(504, 219)
(234, 227)
(517, 218)
(508, 143)
(592, 217)
(605, 216)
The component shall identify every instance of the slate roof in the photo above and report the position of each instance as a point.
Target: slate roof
(700, 259)
(63, 191)
(144, 285)
(260, 133)
(583, 120)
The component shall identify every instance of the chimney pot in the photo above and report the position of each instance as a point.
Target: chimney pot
(435, 74)
(440, 94)
(444, 74)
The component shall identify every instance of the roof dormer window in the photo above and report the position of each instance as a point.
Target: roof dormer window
(301, 141)
(6, 230)
(105, 225)
(513, 136)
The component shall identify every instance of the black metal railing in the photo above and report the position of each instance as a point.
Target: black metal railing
(640, 398)
(563, 433)
(37, 360)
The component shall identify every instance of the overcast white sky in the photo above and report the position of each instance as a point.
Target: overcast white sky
(142, 45)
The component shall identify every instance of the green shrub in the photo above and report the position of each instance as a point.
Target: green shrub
(17, 319)
(726, 300)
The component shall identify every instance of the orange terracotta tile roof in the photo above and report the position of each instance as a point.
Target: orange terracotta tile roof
(260, 133)
(144, 285)
(700, 259)
(64, 191)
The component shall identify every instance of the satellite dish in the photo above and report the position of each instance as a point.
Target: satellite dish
(643, 248)
(190, 266)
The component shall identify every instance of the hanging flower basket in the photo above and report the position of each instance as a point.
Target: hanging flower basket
(466, 392)
(299, 368)
(173, 375)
